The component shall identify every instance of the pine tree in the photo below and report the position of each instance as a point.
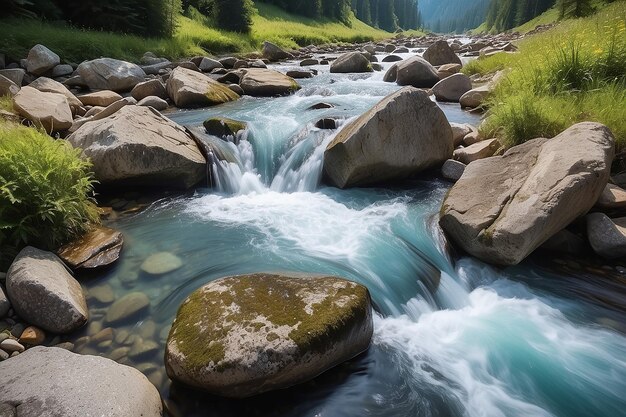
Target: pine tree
(234, 15)
(574, 8)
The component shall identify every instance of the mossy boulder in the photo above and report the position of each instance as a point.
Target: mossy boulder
(262, 82)
(189, 88)
(244, 335)
(223, 127)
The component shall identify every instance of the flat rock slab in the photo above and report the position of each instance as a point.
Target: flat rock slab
(48, 110)
(102, 98)
(505, 207)
(260, 82)
(479, 150)
(52, 382)
(99, 247)
(43, 292)
(241, 336)
(612, 198)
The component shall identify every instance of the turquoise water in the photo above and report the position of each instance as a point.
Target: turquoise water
(453, 336)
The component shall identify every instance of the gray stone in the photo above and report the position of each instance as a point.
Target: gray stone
(10, 345)
(43, 292)
(208, 64)
(351, 62)
(161, 263)
(16, 75)
(187, 88)
(3, 356)
(138, 146)
(102, 98)
(298, 74)
(261, 82)
(274, 52)
(233, 338)
(402, 135)
(607, 236)
(452, 87)
(452, 170)
(415, 72)
(612, 198)
(505, 207)
(459, 131)
(5, 305)
(149, 88)
(41, 59)
(127, 307)
(392, 58)
(48, 110)
(91, 386)
(475, 97)
(61, 70)
(156, 103)
(110, 74)
(480, 150)
(309, 62)
(48, 85)
(8, 87)
(440, 53)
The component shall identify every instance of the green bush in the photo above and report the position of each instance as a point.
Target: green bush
(46, 191)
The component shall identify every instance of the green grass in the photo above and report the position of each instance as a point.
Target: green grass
(45, 191)
(571, 73)
(547, 17)
(192, 37)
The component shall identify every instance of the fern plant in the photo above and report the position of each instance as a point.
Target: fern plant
(46, 191)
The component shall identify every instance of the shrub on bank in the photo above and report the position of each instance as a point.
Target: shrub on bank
(572, 73)
(46, 191)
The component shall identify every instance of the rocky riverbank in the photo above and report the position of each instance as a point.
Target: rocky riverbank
(228, 338)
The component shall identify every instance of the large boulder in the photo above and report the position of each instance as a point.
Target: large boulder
(14, 74)
(43, 292)
(110, 74)
(140, 147)
(241, 336)
(263, 82)
(414, 71)
(403, 134)
(351, 62)
(440, 53)
(452, 87)
(189, 88)
(41, 59)
(48, 110)
(274, 52)
(48, 85)
(51, 382)
(607, 236)
(505, 207)
(149, 88)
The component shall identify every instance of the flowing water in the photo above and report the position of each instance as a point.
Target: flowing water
(453, 337)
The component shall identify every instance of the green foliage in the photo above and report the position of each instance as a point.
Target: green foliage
(572, 73)
(574, 8)
(506, 14)
(45, 191)
(234, 15)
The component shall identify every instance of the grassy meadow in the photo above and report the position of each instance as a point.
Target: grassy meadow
(193, 37)
(573, 72)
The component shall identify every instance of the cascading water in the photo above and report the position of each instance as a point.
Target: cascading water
(451, 339)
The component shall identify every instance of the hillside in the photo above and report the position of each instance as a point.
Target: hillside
(192, 37)
(453, 15)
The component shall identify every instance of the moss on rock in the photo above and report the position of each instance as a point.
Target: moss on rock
(223, 127)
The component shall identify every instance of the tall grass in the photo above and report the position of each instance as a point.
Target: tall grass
(45, 191)
(192, 37)
(572, 73)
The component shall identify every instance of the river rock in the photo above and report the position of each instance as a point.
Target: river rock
(14, 74)
(8, 87)
(188, 88)
(103, 294)
(155, 102)
(403, 134)
(440, 53)
(308, 62)
(102, 98)
(99, 247)
(149, 88)
(504, 207)
(475, 97)
(32, 336)
(161, 263)
(452, 87)
(61, 70)
(607, 236)
(49, 110)
(452, 170)
(480, 150)
(10, 345)
(459, 131)
(5, 305)
(612, 198)
(274, 52)
(351, 62)
(298, 74)
(110, 74)
(41, 59)
(414, 71)
(127, 307)
(43, 292)
(233, 338)
(223, 127)
(392, 58)
(138, 146)
(208, 64)
(89, 386)
(48, 85)
(7, 410)
(262, 82)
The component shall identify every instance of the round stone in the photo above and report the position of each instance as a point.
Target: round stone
(161, 263)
